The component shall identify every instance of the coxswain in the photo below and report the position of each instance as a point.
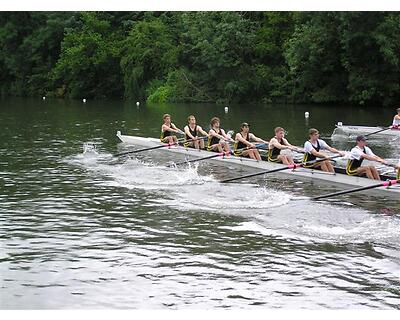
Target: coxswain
(217, 138)
(312, 149)
(191, 133)
(357, 155)
(167, 130)
(278, 143)
(243, 140)
(396, 120)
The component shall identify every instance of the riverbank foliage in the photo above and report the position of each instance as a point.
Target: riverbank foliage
(223, 57)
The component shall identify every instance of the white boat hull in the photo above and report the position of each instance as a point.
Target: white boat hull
(262, 165)
(347, 130)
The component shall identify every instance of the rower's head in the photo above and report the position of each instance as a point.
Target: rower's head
(167, 118)
(191, 119)
(398, 111)
(244, 127)
(279, 132)
(215, 122)
(314, 134)
(361, 141)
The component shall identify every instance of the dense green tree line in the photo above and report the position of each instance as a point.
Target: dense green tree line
(319, 57)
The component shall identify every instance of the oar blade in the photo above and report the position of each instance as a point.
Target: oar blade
(168, 145)
(378, 131)
(377, 185)
(219, 154)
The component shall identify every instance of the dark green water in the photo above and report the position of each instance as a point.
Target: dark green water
(92, 231)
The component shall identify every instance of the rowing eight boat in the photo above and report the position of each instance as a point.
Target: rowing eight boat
(338, 178)
(347, 130)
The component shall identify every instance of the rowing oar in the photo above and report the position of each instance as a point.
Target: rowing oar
(158, 147)
(291, 166)
(390, 165)
(387, 183)
(219, 154)
(384, 129)
(294, 149)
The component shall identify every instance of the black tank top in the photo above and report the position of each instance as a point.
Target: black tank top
(240, 144)
(275, 152)
(214, 140)
(192, 132)
(309, 156)
(354, 164)
(166, 133)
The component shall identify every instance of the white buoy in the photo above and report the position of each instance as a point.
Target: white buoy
(84, 100)
(137, 103)
(44, 98)
(306, 114)
(226, 109)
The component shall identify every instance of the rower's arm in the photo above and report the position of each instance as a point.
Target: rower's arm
(212, 133)
(333, 150)
(166, 128)
(175, 128)
(291, 147)
(257, 139)
(319, 154)
(294, 148)
(276, 144)
(373, 158)
(225, 136)
(200, 129)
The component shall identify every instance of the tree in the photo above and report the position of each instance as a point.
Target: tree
(370, 42)
(148, 53)
(313, 54)
(30, 46)
(218, 48)
(271, 69)
(89, 62)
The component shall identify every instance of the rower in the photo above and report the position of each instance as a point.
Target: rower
(242, 140)
(396, 120)
(312, 149)
(357, 156)
(278, 143)
(191, 132)
(167, 129)
(217, 138)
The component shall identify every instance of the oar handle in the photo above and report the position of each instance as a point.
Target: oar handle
(297, 149)
(197, 138)
(320, 160)
(390, 165)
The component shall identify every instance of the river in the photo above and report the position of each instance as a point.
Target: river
(92, 231)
